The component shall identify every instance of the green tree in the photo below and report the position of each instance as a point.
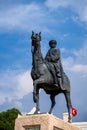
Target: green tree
(7, 119)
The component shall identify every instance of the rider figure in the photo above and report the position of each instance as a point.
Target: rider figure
(54, 62)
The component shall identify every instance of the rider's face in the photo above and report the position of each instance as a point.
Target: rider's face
(53, 45)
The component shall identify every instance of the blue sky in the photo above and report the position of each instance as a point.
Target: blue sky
(62, 20)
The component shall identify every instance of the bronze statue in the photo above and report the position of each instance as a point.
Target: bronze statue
(48, 74)
(54, 63)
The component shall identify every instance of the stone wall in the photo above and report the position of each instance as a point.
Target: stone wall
(45, 121)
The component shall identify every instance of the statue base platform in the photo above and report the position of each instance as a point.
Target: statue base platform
(42, 122)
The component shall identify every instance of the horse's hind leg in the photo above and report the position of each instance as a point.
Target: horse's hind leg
(69, 105)
(52, 97)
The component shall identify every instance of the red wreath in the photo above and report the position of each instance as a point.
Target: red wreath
(74, 111)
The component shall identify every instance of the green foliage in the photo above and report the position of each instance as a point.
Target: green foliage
(7, 119)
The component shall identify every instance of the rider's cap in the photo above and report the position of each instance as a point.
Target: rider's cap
(52, 42)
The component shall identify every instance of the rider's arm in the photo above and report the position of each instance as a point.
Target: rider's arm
(55, 55)
(48, 57)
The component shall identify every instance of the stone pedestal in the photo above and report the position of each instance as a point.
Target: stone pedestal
(42, 122)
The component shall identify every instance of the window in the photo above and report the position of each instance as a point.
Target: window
(56, 128)
(32, 128)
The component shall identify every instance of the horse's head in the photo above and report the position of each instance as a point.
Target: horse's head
(36, 38)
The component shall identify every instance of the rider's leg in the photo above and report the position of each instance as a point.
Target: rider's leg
(55, 77)
(58, 72)
(53, 72)
(60, 82)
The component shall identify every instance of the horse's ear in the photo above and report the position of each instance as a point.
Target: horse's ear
(32, 32)
(39, 33)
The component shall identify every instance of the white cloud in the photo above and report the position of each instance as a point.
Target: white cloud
(80, 68)
(81, 54)
(76, 70)
(34, 16)
(56, 4)
(67, 62)
(78, 6)
(76, 66)
(14, 85)
(18, 104)
(63, 50)
(26, 17)
(24, 85)
(72, 66)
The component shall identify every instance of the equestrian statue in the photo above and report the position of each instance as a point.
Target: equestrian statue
(47, 74)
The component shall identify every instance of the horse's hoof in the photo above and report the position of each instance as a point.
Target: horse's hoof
(37, 112)
(69, 120)
(49, 112)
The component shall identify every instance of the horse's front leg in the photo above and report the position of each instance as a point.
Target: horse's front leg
(35, 82)
(34, 92)
(37, 101)
(36, 96)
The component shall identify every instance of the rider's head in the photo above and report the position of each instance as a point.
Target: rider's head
(52, 43)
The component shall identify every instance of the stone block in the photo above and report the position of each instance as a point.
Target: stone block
(42, 122)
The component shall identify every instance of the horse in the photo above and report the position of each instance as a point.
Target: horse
(43, 79)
